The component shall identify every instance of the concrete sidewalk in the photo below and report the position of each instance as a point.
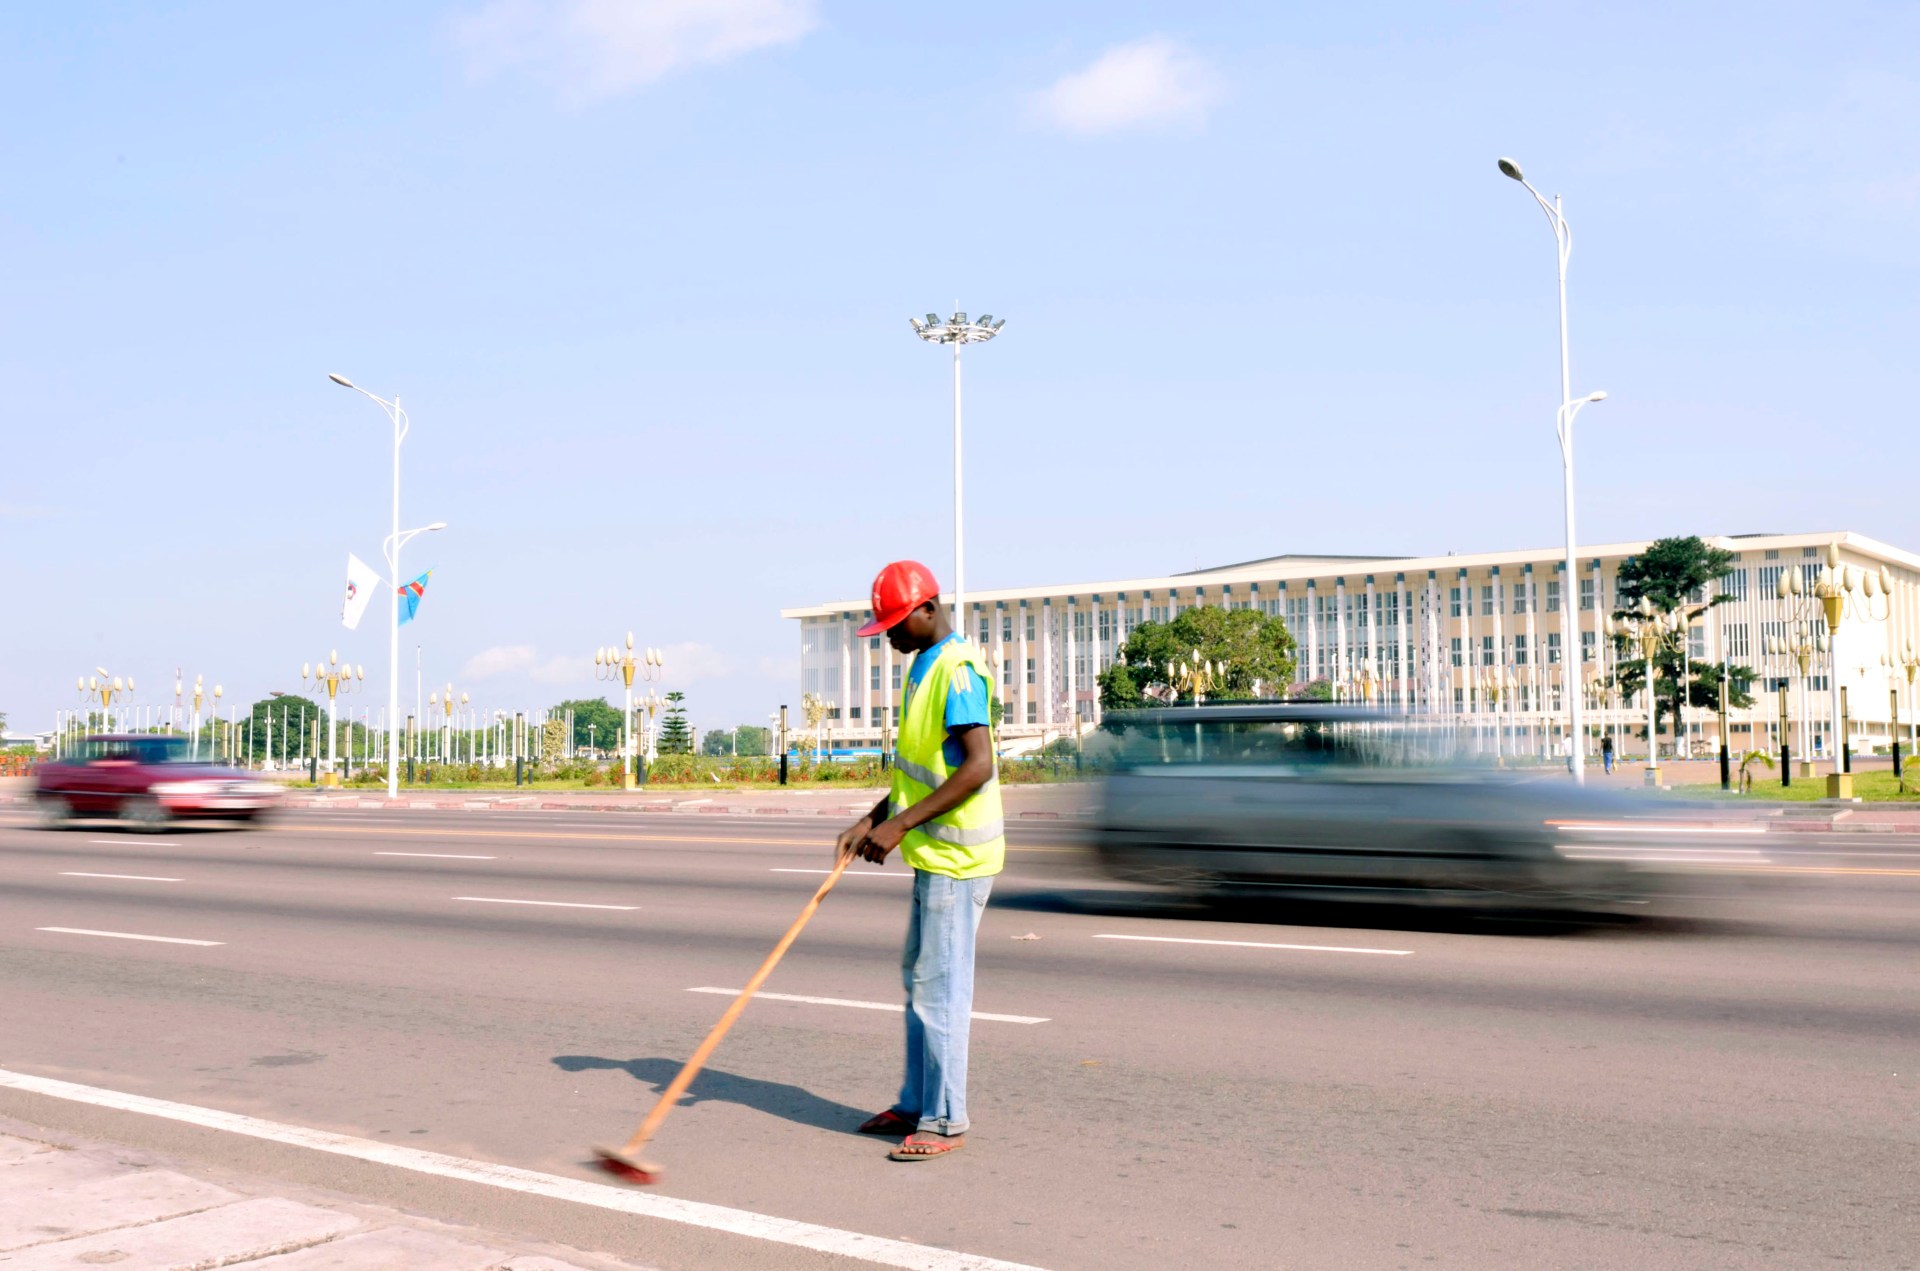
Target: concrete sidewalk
(70, 1204)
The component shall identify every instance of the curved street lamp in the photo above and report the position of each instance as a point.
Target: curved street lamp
(1563, 429)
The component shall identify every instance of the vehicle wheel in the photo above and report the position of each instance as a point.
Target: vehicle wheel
(54, 814)
(147, 816)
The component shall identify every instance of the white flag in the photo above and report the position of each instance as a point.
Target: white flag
(362, 582)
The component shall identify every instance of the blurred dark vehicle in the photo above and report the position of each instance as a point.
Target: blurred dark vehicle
(147, 780)
(1345, 804)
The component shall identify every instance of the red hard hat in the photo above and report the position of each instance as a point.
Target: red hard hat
(898, 590)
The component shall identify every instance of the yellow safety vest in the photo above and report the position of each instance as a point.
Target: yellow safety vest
(969, 841)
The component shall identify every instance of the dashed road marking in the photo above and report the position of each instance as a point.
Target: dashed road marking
(1257, 944)
(137, 878)
(871, 1006)
(555, 904)
(128, 935)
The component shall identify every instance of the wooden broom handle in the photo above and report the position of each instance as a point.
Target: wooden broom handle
(691, 1069)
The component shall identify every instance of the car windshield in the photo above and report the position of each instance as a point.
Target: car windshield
(140, 750)
(1282, 743)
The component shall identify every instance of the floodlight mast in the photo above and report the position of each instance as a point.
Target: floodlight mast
(957, 331)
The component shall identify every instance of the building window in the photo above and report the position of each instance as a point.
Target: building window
(1519, 650)
(1032, 675)
(1459, 659)
(896, 677)
(873, 678)
(1734, 584)
(1453, 602)
(853, 712)
(896, 709)
(1030, 627)
(1033, 712)
(1586, 646)
(1520, 598)
(986, 631)
(1587, 587)
(1553, 647)
(1770, 579)
(1487, 657)
(1697, 643)
(1553, 596)
(1809, 551)
(1737, 643)
(833, 713)
(1486, 601)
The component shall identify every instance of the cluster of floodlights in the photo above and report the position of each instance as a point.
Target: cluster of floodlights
(957, 330)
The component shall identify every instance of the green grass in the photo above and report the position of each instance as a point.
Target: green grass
(1873, 787)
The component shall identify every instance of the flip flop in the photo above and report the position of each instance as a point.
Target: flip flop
(890, 1122)
(915, 1149)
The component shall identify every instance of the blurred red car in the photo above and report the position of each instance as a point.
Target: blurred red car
(149, 781)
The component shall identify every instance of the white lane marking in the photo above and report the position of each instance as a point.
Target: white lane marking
(693, 1213)
(128, 935)
(865, 873)
(871, 1006)
(136, 842)
(556, 904)
(1255, 944)
(444, 856)
(138, 878)
(1658, 829)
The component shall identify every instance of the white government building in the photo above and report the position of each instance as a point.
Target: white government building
(1475, 635)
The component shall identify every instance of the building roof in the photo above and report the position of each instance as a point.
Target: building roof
(1384, 569)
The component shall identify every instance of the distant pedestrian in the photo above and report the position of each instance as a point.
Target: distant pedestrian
(1606, 753)
(944, 815)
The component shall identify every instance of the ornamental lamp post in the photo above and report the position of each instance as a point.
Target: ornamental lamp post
(1847, 591)
(1647, 628)
(957, 331)
(103, 688)
(336, 677)
(611, 663)
(448, 704)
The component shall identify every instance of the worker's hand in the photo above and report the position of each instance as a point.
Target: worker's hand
(850, 838)
(881, 840)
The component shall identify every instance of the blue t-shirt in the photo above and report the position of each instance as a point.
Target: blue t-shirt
(966, 698)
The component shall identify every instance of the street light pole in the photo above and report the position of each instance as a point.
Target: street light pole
(391, 550)
(1563, 427)
(957, 331)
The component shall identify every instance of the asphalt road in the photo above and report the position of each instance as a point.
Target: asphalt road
(1730, 1082)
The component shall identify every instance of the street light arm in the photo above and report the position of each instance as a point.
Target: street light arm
(395, 413)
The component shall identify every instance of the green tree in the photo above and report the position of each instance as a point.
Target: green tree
(1676, 574)
(596, 722)
(755, 740)
(291, 717)
(676, 737)
(718, 741)
(3, 721)
(1257, 650)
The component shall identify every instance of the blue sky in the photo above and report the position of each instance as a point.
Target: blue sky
(641, 272)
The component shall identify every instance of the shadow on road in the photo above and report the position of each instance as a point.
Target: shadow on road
(775, 1098)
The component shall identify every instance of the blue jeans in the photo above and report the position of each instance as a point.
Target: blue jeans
(937, 970)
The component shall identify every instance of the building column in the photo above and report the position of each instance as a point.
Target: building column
(1073, 699)
(1405, 676)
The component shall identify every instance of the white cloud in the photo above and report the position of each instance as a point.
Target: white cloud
(688, 662)
(1150, 83)
(601, 48)
(525, 660)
